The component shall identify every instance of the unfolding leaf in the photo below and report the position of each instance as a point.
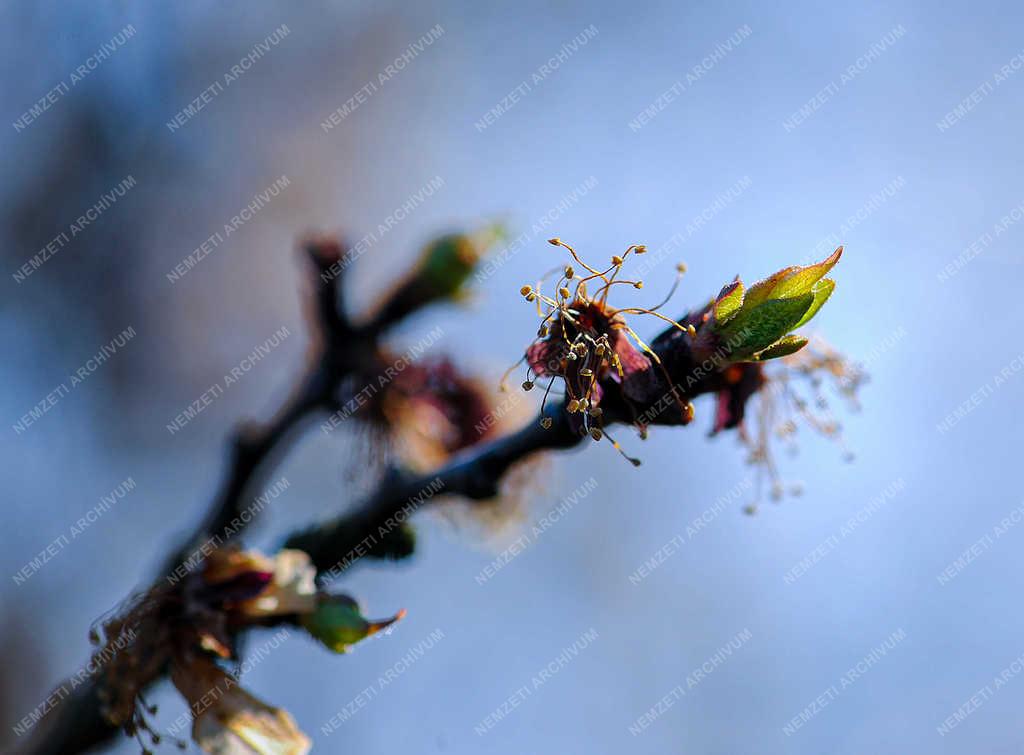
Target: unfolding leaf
(821, 290)
(802, 280)
(338, 622)
(761, 291)
(750, 332)
(790, 281)
(729, 301)
(782, 348)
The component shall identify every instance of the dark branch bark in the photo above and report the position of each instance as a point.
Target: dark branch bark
(476, 474)
(336, 544)
(258, 448)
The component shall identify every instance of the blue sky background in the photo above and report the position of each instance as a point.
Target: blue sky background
(947, 337)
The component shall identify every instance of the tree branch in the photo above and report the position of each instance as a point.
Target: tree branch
(475, 474)
(342, 350)
(76, 724)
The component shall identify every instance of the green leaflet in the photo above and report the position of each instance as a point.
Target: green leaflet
(761, 291)
(729, 301)
(783, 348)
(802, 281)
(790, 281)
(338, 623)
(752, 330)
(755, 323)
(821, 290)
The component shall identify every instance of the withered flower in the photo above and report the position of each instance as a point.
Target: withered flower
(591, 347)
(432, 410)
(289, 580)
(186, 624)
(227, 720)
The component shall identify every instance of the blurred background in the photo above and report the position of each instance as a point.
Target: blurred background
(739, 137)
